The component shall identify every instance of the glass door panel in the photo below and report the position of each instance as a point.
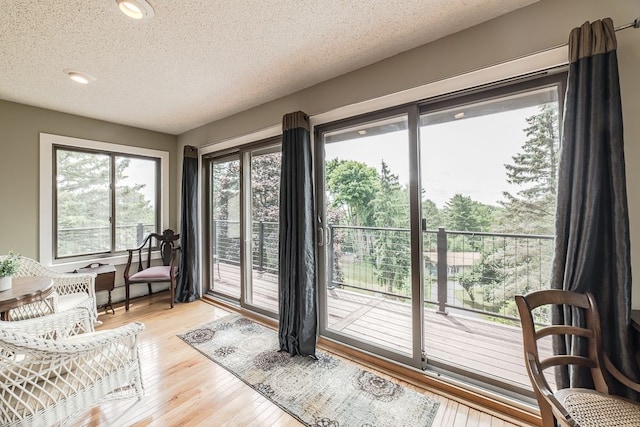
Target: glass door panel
(225, 226)
(367, 300)
(488, 203)
(265, 193)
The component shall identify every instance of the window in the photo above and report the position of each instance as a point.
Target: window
(98, 199)
(444, 205)
(242, 190)
(105, 202)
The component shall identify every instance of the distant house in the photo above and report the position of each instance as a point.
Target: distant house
(456, 261)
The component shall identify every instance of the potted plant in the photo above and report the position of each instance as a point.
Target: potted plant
(8, 267)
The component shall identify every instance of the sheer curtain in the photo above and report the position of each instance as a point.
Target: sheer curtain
(592, 225)
(297, 281)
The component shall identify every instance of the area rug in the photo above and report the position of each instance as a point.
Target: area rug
(327, 392)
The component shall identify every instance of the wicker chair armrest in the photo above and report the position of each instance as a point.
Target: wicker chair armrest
(56, 325)
(77, 345)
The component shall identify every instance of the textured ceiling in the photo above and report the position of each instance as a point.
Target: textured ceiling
(201, 60)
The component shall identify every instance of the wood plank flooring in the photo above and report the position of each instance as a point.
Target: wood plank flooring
(184, 388)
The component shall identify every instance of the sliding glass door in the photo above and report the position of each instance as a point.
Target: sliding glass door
(431, 218)
(367, 291)
(243, 191)
(488, 172)
(224, 271)
(264, 195)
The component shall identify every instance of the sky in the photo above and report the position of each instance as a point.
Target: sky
(142, 171)
(464, 156)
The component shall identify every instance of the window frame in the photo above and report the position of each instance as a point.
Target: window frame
(47, 221)
(113, 194)
(266, 141)
(552, 77)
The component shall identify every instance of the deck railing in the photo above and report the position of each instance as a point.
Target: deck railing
(473, 271)
(85, 240)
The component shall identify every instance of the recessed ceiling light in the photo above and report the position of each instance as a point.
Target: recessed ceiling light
(362, 132)
(78, 76)
(136, 9)
(459, 115)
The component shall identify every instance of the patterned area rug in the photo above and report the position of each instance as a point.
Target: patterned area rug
(328, 392)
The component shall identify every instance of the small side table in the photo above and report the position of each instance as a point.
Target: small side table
(105, 279)
(25, 290)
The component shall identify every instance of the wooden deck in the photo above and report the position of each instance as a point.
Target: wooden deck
(459, 339)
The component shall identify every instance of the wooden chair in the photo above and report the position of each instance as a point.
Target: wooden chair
(166, 244)
(574, 406)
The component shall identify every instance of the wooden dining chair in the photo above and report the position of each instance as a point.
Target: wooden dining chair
(574, 406)
(166, 245)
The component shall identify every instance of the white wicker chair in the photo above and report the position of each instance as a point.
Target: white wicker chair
(71, 291)
(49, 374)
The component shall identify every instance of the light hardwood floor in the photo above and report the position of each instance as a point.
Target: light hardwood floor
(184, 388)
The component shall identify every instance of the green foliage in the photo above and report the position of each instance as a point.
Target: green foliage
(9, 265)
(431, 214)
(353, 186)
(532, 209)
(461, 213)
(482, 274)
(265, 187)
(392, 248)
(83, 202)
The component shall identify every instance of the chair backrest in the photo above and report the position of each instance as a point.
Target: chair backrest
(164, 242)
(581, 305)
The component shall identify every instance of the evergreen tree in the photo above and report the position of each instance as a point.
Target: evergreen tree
(526, 262)
(83, 196)
(431, 214)
(532, 209)
(392, 255)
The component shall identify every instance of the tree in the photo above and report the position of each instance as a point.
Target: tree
(225, 183)
(532, 209)
(353, 186)
(431, 214)
(265, 206)
(83, 199)
(461, 213)
(265, 187)
(392, 257)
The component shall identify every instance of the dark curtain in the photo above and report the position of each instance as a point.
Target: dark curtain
(296, 256)
(188, 288)
(592, 225)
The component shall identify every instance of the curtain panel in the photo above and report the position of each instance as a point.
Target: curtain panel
(188, 288)
(592, 225)
(296, 256)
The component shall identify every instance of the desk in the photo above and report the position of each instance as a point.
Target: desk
(105, 279)
(25, 290)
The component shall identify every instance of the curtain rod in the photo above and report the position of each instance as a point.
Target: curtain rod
(634, 24)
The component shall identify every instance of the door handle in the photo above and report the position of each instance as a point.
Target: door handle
(321, 232)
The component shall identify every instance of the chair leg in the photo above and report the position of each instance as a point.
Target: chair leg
(546, 414)
(126, 297)
(172, 285)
